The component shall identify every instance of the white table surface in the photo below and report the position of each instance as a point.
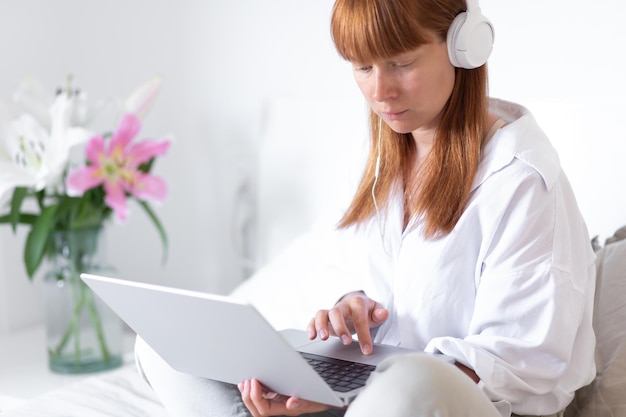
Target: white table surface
(24, 372)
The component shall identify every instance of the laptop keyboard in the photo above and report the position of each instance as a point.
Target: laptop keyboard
(342, 376)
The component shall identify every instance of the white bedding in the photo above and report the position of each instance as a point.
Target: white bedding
(123, 393)
(119, 393)
(294, 269)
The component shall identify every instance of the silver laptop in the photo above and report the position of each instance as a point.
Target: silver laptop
(224, 339)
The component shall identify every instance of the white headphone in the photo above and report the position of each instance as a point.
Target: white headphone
(470, 38)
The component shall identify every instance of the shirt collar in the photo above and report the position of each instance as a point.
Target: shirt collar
(521, 138)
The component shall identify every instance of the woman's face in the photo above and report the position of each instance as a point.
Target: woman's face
(408, 91)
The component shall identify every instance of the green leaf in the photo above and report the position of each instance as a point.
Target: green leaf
(41, 197)
(16, 204)
(147, 166)
(159, 227)
(38, 238)
(24, 218)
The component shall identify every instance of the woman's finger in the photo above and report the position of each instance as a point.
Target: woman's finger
(262, 403)
(338, 316)
(311, 330)
(266, 406)
(244, 388)
(360, 314)
(321, 324)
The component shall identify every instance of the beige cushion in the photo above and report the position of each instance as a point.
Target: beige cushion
(606, 395)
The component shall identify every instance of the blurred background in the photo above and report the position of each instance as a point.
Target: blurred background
(226, 65)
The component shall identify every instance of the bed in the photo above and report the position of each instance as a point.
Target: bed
(291, 224)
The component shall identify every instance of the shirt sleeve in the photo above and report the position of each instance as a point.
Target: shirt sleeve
(530, 339)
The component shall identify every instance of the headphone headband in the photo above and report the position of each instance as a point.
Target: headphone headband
(472, 5)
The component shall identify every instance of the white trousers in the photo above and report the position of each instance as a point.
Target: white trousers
(420, 385)
(404, 386)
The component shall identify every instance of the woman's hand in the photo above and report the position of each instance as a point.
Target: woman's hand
(354, 313)
(262, 403)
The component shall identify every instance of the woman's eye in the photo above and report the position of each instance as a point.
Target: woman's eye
(402, 64)
(362, 68)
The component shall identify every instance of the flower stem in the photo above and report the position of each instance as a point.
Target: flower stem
(73, 328)
(97, 323)
(75, 323)
(80, 248)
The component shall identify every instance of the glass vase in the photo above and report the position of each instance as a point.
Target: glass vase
(83, 334)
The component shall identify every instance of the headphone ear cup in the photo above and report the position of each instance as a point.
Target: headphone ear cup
(470, 40)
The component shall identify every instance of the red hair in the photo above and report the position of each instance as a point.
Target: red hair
(365, 30)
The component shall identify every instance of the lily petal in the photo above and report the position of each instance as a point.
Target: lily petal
(26, 142)
(63, 134)
(94, 149)
(116, 198)
(127, 130)
(63, 137)
(82, 179)
(61, 115)
(147, 149)
(12, 176)
(149, 188)
(56, 157)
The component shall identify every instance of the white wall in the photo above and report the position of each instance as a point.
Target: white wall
(220, 61)
(223, 60)
(563, 60)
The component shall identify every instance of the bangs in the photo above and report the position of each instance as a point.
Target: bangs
(365, 30)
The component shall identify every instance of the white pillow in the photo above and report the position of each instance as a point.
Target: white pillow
(311, 158)
(606, 395)
(308, 275)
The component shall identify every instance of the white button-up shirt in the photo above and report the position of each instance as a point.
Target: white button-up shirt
(509, 292)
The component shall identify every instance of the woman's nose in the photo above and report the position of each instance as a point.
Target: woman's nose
(383, 87)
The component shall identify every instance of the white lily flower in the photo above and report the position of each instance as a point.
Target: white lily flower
(140, 100)
(33, 156)
(33, 98)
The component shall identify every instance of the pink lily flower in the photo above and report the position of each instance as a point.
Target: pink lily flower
(140, 101)
(116, 167)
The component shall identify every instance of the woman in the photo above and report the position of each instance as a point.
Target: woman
(478, 250)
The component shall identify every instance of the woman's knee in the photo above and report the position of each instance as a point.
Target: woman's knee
(420, 385)
(416, 377)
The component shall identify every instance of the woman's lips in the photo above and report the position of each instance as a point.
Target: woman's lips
(393, 115)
